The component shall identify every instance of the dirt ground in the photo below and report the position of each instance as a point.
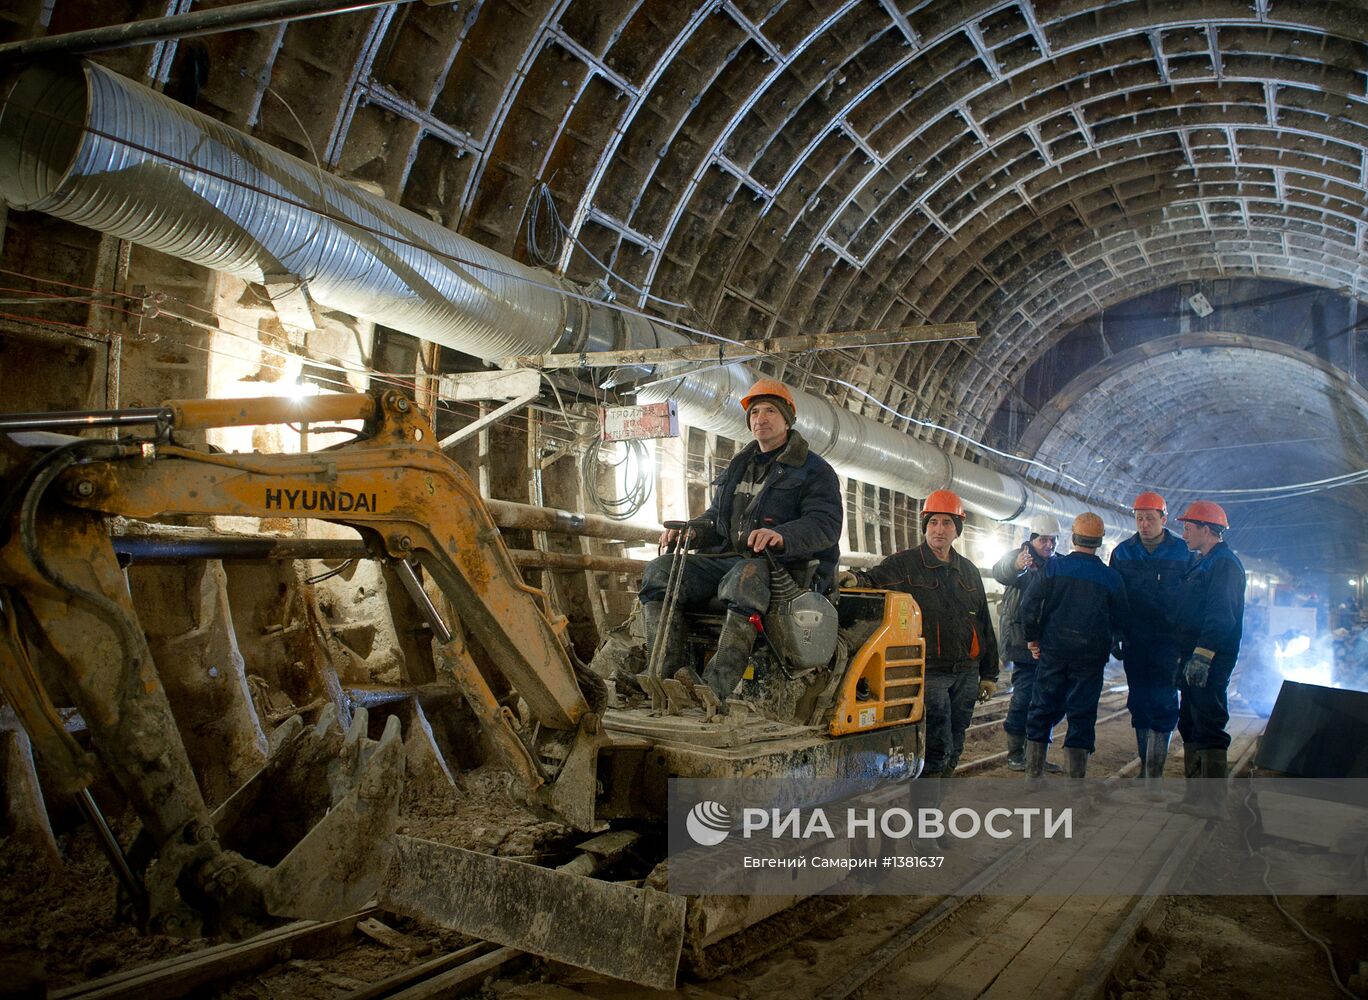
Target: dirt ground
(62, 927)
(1204, 947)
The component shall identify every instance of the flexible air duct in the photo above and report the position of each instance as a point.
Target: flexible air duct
(84, 144)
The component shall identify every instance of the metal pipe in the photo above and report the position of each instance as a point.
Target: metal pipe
(109, 844)
(576, 561)
(89, 146)
(162, 544)
(508, 514)
(370, 697)
(256, 14)
(78, 420)
(173, 547)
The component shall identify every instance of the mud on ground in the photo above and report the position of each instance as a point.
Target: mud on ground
(62, 927)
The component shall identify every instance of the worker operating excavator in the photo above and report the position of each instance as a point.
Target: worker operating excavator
(777, 498)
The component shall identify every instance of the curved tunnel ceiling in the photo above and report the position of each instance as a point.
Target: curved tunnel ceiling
(763, 168)
(1232, 392)
(1268, 415)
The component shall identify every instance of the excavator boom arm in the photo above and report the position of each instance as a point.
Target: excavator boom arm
(395, 486)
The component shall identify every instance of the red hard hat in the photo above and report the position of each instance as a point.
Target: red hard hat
(768, 387)
(1150, 501)
(943, 502)
(1206, 512)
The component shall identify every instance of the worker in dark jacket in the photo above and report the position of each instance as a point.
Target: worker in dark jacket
(1210, 626)
(1071, 613)
(1015, 571)
(1151, 563)
(775, 496)
(961, 648)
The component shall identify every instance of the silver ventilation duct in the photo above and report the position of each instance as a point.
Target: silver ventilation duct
(84, 144)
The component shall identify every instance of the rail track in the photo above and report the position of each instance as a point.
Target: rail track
(933, 940)
(1065, 943)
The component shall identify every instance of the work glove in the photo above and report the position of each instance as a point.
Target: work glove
(1197, 667)
(847, 579)
(987, 689)
(1118, 650)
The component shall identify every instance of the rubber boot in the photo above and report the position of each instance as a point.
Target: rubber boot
(1016, 752)
(1156, 756)
(1077, 759)
(947, 775)
(1141, 750)
(734, 645)
(1215, 771)
(927, 793)
(1035, 765)
(1050, 766)
(1192, 773)
(1210, 800)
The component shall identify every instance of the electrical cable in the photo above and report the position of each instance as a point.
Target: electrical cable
(543, 200)
(1268, 866)
(636, 475)
(329, 574)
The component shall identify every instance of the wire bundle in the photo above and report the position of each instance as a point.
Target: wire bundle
(633, 468)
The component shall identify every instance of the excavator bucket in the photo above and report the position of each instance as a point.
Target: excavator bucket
(613, 929)
(319, 816)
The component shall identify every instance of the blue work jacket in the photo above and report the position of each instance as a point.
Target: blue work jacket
(1074, 608)
(1211, 604)
(1152, 582)
(800, 499)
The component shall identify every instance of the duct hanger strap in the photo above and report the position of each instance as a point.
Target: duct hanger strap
(722, 352)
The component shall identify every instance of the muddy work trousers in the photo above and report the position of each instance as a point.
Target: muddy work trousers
(1066, 687)
(950, 697)
(1202, 712)
(742, 584)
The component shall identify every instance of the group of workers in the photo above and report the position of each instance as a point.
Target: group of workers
(1172, 609)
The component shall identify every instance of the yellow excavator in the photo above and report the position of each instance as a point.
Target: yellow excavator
(312, 835)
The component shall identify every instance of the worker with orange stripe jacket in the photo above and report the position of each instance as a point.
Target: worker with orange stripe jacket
(1072, 612)
(961, 647)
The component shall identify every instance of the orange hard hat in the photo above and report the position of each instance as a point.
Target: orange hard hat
(768, 387)
(1150, 501)
(943, 502)
(1088, 528)
(1205, 512)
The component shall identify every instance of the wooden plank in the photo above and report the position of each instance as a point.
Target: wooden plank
(1088, 926)
(461, 979)
(1092, 984)
(422, 971)
(182, 975)
(1067, 945)
(1036, 922)
(383, 933)
(720, 351)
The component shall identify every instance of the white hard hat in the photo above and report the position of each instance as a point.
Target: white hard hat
(1044, 524)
